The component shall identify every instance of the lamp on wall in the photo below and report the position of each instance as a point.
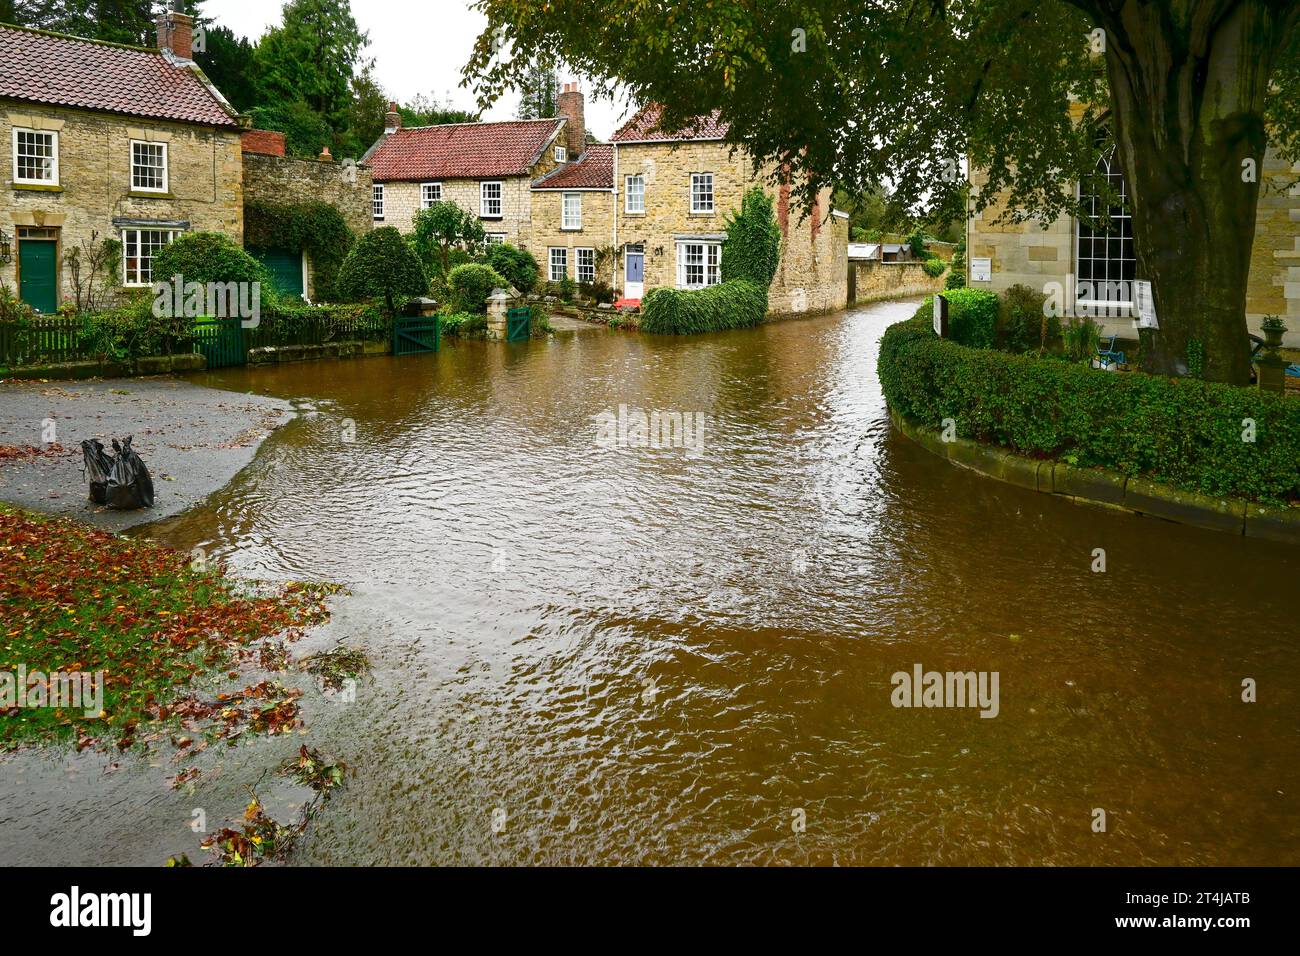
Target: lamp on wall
(6, 247)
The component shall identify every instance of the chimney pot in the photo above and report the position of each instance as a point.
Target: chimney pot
(392, 119)
(325, 156)
(571, 107)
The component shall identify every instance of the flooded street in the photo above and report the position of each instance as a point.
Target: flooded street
(586, 654)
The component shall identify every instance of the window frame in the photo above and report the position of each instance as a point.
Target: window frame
(54, 162)
(425, 201)
(551, 263)
(377, 202)
(561, 153)
(710, 264)
(1120, 231)
(566, 224)
(166, 167)
(495, 238)
(483, 199)
(696, 193)
(577, 263)
(138, 231)
(627, 194)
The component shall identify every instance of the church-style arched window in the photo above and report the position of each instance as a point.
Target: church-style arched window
(1105, 263)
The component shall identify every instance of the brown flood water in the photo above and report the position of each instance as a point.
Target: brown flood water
(650, 656)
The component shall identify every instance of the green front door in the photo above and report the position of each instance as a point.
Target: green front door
(285, 267)
(38, 274)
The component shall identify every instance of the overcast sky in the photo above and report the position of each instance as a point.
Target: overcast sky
(419, 46)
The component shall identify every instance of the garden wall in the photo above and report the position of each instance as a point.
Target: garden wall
(872, 280)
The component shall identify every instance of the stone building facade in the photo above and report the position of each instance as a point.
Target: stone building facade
(485, 168)
(1037, 254)
(673, 193)
(95, 153)
(573, 219)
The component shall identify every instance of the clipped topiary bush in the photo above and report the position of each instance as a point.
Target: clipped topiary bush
(1185, 432)
(516, 266)
(728, 305)
(753, 247)
(470, 285)
(207, 257)
(382, 265)
(933, 267)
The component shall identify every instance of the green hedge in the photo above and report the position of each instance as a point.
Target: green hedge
(727, 305)
(1184, 432)
(972, 317)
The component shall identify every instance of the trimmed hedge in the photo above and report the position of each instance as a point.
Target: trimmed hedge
(727, 305)
(1184, 432)
(469, 286)
(972, 317)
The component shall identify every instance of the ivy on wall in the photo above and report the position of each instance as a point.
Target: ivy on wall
(315, 227)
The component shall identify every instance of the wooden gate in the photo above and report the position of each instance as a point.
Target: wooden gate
(519, 324)
(417, 333)
(221, 341)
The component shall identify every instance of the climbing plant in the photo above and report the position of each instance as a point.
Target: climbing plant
(316, 227)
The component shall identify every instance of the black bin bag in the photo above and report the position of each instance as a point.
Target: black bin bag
(129, 484)
(96, 468)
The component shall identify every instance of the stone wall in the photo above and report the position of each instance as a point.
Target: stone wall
(812, 275)
(205, 181)
(874, 280)
(597, 230)
(283, 180)
(1034, 253)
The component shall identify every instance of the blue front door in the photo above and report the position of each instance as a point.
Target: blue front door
(635, 266)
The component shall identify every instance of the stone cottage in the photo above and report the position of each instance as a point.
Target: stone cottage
(573, 219)
(485, 168)
(109, 141)
(674, 190)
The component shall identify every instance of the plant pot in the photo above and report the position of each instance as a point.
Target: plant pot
(1273, 337)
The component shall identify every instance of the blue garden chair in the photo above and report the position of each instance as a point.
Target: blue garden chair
(1109, 353)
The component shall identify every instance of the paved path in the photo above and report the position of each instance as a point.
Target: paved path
(193, 440)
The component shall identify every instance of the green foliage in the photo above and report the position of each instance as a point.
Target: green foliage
(753, 247)
(132, 331)
(317, 227)
(566, 289)
(957, 277)
(1082, 336)
(207, 257)
(516, 266)
(933, 267)
(464, 325)
(93, 266)
(230, 63)
(972, 317)
(916, 241)
(311, 56)
(1022, 325)
(440, 231)
(1180, 431)
(596, 291)
(431, 111)
(728, 305)
(470, 285)
(382, 265)
(539, 91)
(305, 131)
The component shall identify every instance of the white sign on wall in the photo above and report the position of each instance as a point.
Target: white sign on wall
(981, 270)
(1145, 304)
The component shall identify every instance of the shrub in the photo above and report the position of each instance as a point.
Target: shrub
(565, 289)
(470, 285)
(728, 305)
(131, 331)
(753, 247)
(972, 317)
(516, 266)
(933, 267)
(316, 227)
(442, 230)
(463, 324)
(207, 257)
(596, 291)
(382, 265)
(1022, 324)
(1181, 431)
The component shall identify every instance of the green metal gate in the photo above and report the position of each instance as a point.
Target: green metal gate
(519, 324)
(221, 341)
(416, 333)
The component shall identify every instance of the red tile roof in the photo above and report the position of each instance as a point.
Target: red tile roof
(644, 127)
(594, 169)
(86, 74)
(462, 150)
(265, 141)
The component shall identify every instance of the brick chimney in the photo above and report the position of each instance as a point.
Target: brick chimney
(176, 33)
(392, 119)
(570, 104)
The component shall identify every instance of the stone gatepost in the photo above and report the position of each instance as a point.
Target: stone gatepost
(498, 304)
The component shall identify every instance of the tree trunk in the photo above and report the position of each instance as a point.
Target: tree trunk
(1188, 81)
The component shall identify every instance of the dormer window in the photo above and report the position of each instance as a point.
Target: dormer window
(36, 157)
